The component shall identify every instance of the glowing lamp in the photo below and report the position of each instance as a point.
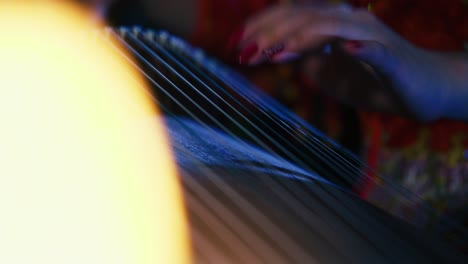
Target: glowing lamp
(86, 175)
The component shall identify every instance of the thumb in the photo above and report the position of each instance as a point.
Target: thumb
(374, 53)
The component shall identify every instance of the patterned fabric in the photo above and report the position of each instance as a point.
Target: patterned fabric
(429, 160)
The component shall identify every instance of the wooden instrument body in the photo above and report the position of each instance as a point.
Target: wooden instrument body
(246, 206)
(260, 185)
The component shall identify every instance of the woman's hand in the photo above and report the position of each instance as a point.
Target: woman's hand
(421, 80)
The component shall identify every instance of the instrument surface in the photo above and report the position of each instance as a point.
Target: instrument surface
(261, 185)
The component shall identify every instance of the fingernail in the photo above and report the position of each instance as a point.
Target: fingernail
(247, 53)
(352, 46)
(269, 53)
(234, 39)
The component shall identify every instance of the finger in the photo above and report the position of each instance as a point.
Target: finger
(274, 25)
(311, 27)
(374, 53)
(308, 28)
(279, 31)
(264, 20)
(281, 52)
(246, 44)
(284, 41)
(271, 40)
(316, 44)
(242, 37)
(287, 48)
(345, 22)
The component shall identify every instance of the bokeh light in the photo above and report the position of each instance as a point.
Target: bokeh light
(86, 175)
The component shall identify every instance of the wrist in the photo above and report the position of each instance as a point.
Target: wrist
(449, 80)
(455, 74)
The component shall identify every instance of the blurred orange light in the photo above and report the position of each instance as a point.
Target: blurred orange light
(86, 175)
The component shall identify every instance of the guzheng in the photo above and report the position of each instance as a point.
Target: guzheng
(261, 185)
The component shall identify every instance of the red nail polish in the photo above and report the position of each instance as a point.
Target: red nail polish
(352, 45)
(234, 39)
(247, 53)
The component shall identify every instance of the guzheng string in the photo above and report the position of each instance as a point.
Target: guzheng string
(206, 103)
(245, 206)
(258, 130)
(293, 120)
(335, 156)
(327, 151)
(250, 134)
(251, 212)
